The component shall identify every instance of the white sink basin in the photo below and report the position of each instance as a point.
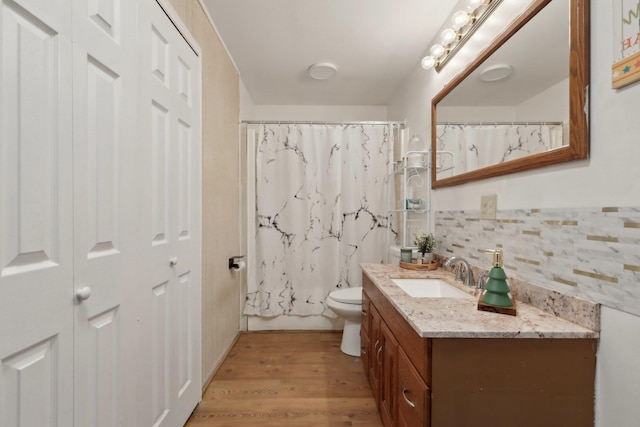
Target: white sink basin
(430, 288)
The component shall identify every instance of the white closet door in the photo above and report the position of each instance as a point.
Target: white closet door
(170, 216)
(106, 236)
(36, 214)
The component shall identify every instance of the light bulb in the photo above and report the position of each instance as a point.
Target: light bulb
(460, 19)
(474, 4)
(437, 50)
(448, 36)
(428, 62)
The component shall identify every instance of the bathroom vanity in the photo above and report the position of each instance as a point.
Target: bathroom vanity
(440, 362)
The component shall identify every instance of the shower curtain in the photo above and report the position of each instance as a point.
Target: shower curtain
(478, 146)
(321, 210)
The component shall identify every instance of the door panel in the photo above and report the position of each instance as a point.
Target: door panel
(160, 392)
(29, 381)
(184, 334)
(104, 99)
(105, 365)
(160, 154)
(170, 214)
(106, 235)
(185, 156)
(36, 265)
(30, 80)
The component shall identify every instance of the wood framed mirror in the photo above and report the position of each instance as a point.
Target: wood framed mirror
(484, 124)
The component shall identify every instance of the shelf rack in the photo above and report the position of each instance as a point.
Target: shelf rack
(409, 171)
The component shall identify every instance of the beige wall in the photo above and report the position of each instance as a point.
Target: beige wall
(220, 224)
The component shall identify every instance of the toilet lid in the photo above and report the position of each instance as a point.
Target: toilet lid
(348, 295)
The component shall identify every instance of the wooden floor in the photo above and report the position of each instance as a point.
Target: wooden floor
(279, 379)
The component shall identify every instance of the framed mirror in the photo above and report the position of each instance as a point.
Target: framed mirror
(522, 104)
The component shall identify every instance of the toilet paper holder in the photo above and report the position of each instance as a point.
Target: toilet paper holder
(233, 261)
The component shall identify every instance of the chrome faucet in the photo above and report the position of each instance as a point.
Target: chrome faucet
(482, 280)
(468, 280)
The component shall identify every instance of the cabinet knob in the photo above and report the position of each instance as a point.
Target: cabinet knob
(404, 396)
(83, 293)
(173, 261)
(378, 355)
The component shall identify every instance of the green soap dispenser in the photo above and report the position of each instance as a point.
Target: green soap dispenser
(497, 290)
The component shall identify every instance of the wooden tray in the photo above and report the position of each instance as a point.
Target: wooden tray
(420, 267)
(511, 311)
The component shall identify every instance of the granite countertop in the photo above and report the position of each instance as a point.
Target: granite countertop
(460, 318)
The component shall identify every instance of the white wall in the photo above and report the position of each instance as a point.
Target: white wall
(247, 106)
(611, 177)
(548, 106)
(318, 113)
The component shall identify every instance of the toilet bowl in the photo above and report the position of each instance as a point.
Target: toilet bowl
(347, 303)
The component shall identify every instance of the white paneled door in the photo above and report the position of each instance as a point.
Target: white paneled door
(107, 242)
(169, 105)
(36, 214)
(100, 250)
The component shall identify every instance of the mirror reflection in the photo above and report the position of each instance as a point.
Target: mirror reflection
(514, 104)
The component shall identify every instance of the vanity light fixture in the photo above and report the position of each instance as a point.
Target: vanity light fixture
(461, 25)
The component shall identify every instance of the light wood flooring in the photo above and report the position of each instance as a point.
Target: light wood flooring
(280, 379)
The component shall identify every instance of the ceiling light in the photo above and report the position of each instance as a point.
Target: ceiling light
(460, 19)
(437, 50)
(474, 4)
(453, 37)
(448, 36)
(428, 62)
(322, 71)
(496, 72)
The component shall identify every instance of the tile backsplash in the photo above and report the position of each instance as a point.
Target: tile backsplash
(593, 253)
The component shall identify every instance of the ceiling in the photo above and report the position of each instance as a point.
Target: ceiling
(375, 45)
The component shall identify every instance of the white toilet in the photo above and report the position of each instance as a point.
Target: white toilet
(347, 303)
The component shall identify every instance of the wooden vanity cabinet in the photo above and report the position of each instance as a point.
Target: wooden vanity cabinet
(387, 338)
(381, 364)
(445, 382)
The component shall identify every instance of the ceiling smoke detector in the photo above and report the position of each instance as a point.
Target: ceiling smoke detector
(322, 71)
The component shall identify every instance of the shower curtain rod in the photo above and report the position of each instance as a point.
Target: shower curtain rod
(499, 123)
(316, 122)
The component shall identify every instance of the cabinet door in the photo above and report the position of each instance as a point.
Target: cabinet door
(365, 344)
(376, 349)
(36, 214)
(365, 330)
(388, 378)
(413, 395)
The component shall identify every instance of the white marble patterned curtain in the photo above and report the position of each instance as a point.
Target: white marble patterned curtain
(478, 146)
(321, 210)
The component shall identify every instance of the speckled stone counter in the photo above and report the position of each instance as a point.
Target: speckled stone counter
(459, 317)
